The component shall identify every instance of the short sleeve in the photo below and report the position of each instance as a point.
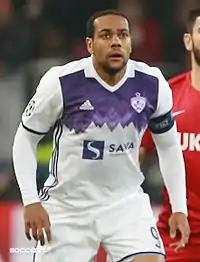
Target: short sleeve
(162, 119)
(45, 107)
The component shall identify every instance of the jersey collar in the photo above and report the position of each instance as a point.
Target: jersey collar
(90, 72)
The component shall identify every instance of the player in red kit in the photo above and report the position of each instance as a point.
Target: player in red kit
(186, 109)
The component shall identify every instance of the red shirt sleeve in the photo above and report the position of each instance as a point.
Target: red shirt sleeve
(147, 141)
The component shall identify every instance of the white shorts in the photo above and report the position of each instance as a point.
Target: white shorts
(125, 229)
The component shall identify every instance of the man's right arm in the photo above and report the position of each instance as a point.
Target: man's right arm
(39, 116)
(25, 164)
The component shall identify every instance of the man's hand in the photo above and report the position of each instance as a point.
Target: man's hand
(178, 222)
(36, 219)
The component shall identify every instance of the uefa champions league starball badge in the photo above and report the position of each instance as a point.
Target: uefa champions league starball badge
(138, 102)
(30, 108)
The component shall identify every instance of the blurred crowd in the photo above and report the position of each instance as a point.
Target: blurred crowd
(40, 29)
(38, 34)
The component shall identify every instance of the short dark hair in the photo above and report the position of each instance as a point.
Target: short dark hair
(192, 17)
(90, 23)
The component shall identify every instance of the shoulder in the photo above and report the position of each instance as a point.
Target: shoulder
(178, 80)
(146, 69)
(51, 79)
(151, 77)
(69, 68)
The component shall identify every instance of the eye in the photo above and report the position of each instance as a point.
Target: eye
(105, 36)
(123, 35)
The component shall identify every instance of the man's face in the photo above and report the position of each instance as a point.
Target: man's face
(111, 45)
(196, 41)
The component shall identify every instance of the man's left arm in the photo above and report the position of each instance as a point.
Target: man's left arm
(165, 136)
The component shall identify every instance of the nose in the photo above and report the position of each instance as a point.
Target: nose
(115, 41)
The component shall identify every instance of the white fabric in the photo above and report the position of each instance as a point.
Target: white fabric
(125, 229)
(45, 107)
(25, 164)
(93, 192)
(172, 168)
(165, 101)
(78, 182)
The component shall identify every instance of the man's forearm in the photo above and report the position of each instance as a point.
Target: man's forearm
(25, 164)
(172, 168)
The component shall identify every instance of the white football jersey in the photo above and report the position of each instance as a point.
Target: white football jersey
(97, 129)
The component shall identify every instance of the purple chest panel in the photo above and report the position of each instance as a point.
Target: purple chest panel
(86, 102)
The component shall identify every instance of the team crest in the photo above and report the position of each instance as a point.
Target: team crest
(138, 103)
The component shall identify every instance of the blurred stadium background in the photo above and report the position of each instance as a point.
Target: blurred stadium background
(38, 34)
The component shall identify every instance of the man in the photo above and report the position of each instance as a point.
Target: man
(100, 107)
(185, 89)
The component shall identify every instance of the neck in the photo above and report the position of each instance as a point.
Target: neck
(195, 75)
(109, 79)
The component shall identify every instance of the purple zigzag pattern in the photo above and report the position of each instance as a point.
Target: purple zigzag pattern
(112, 119)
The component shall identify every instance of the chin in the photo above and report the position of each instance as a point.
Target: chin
(114, 68)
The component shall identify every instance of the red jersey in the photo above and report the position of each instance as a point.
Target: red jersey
(186, 109)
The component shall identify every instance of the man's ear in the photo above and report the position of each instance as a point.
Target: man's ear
(187, 39)
(89, 44)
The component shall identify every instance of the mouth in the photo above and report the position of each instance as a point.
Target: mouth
(117, 56)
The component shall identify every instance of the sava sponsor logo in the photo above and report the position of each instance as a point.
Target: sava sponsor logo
(94, 150)
(115, 148)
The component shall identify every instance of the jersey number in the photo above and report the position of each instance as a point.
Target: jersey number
(155, 235)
